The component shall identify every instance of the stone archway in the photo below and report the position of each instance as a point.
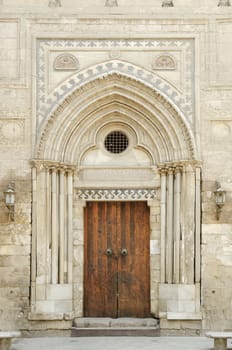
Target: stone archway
(65, 177)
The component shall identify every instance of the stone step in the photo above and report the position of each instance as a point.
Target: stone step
(116, 332)
(107, 322)
(124, 326)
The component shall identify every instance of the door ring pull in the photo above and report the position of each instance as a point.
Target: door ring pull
(109, 252)
(124, 252)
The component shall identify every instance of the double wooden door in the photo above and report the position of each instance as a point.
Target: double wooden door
(117, 260)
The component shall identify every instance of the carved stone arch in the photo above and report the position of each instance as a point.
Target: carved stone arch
(112, 93)
(60, 96)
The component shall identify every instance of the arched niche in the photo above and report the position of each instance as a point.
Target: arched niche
(69, 156)
(66, 132)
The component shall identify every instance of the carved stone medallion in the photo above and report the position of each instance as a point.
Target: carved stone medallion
(54, 3)
(166, 62)
(66, 61)
(111, 3)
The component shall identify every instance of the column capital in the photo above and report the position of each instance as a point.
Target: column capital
(51, 164)
(162, 171)
(178, 169)
(180, 163)
(171, 170)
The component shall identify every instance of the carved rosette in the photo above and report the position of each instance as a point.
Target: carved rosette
(111, 3)
(66, 61)
(54, 3)
(167, 3)
(12, 131)
(165, 62)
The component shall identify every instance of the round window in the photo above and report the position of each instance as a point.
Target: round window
(116, 142)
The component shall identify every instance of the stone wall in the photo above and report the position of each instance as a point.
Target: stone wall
(209, 26)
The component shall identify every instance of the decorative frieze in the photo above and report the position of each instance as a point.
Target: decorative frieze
(182, 100)
(49, 164)
(116, 194)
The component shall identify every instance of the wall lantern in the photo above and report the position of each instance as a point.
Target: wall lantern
(9, 197)
(220, 197)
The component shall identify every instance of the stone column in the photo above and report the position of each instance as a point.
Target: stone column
(33, 240)
(163, 225)
(188, 223)
(52, 242)
(61, 224)
(169, 245)
(69, 224)
(177, 194)
(48, 223)
(198, 227)
(41, 239)
(54, 219)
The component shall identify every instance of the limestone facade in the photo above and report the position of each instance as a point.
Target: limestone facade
(71, 72)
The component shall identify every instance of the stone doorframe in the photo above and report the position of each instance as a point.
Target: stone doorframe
(58, 240)
(159, 119)
(174, 239)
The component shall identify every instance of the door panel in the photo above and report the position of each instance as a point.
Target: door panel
(117, 285)
(134, 268)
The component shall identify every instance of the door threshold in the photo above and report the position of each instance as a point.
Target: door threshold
(116, 332)
(123, 326)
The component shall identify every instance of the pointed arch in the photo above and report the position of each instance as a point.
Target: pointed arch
(161, 126)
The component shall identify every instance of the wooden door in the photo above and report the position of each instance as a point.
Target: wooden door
(117, 280)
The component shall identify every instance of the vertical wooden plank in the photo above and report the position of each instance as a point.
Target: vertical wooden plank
(134, 268)
(100, 272)
(110, 262)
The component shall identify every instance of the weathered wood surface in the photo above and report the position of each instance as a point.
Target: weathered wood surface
(117, 285)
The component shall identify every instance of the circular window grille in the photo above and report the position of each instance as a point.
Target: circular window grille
(116, 142)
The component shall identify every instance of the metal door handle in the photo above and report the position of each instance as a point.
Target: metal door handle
(109, 252)
(124, 252)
